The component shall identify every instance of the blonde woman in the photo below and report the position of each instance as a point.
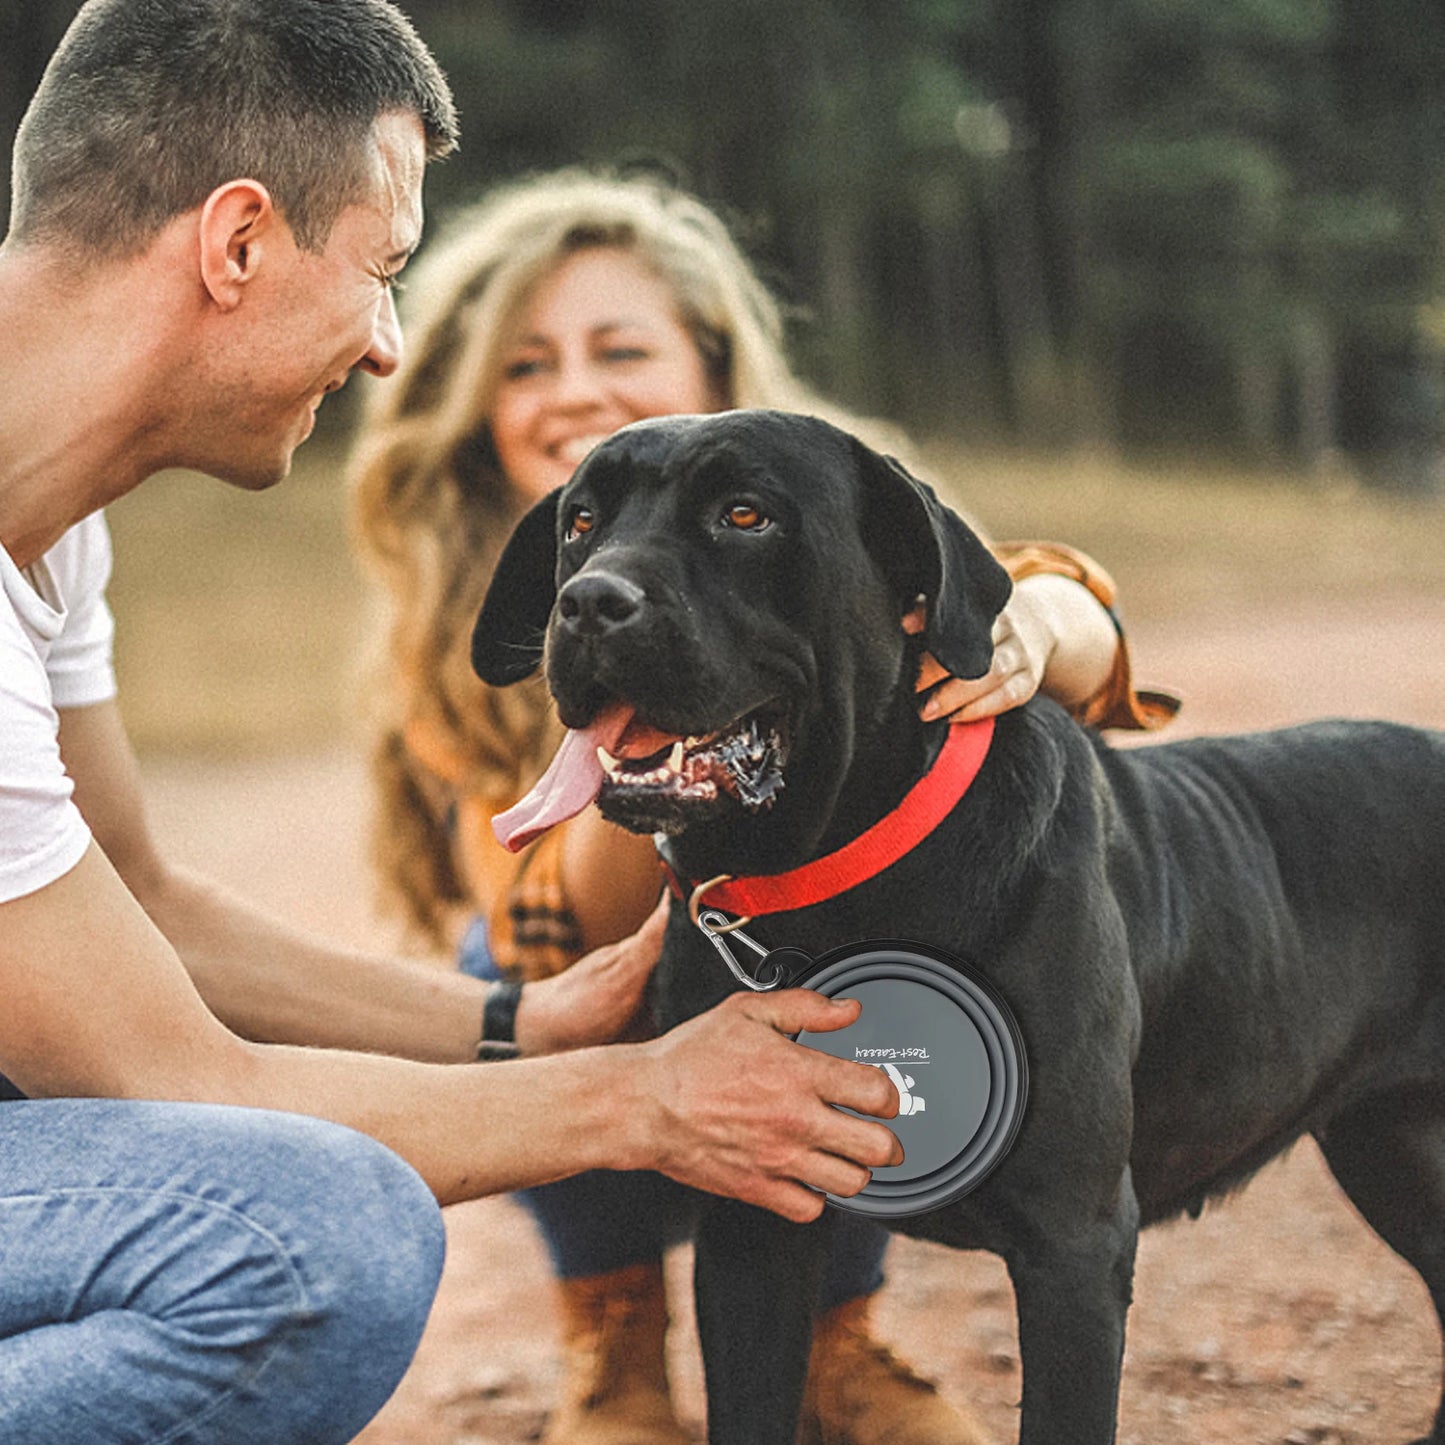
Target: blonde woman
(558, 310)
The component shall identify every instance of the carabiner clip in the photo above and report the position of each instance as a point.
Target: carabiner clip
(715, 927)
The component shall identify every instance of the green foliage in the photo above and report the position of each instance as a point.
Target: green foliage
(1285, 23)
(1142, 221)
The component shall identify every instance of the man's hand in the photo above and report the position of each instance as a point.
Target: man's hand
(597, 1000)
(742, 1110)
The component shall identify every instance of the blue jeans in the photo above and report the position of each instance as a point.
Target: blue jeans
(601, 1221)
(196, 1273)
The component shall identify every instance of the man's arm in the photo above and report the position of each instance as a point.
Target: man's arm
(98, 1004)
(276, 984)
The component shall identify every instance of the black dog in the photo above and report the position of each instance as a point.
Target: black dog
(1212, 947)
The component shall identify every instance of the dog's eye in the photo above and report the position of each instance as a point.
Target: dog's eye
(582, 521)
(746, 517)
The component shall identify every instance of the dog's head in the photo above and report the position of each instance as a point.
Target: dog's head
(719, 601)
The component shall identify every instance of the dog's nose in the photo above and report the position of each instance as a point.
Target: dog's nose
(595, 604)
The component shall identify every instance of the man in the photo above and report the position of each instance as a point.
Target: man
(211, 201)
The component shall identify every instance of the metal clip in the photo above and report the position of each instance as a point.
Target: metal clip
(715, 926)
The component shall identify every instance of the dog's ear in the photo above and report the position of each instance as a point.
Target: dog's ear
(507, 640)
(926, 549)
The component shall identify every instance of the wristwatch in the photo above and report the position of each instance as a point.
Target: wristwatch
(499, 1023)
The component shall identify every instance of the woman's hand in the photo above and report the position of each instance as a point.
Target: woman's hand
(596, 1001)
(1052, 636)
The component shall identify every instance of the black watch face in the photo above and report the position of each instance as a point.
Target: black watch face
(953, 1051)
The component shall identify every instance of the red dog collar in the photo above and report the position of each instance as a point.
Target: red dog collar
(927, 803)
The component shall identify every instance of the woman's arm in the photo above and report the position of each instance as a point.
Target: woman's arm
(1057, 635)
(1053, 636)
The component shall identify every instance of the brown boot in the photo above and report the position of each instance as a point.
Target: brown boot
(614, 1389)
(860, 1393)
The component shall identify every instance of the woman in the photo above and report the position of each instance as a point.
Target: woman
(558, 310)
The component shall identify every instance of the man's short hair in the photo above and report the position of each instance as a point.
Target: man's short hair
(149, 105)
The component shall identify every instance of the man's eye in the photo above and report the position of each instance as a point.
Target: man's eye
(746, 517)
(582, 521)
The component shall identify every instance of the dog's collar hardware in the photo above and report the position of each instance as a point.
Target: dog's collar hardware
(927, 803)
(772, 973)
(694, 905)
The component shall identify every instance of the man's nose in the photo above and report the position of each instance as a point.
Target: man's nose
(383, 354)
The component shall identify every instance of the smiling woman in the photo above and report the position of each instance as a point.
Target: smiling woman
(557, 312)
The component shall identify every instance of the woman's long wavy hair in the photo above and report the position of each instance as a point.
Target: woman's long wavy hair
(432, 509)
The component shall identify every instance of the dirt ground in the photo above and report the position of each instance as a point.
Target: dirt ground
(1277, 1318)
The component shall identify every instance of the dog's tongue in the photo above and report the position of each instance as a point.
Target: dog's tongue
(571, 781)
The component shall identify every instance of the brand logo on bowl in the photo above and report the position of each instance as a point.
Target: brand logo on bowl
(909, 1103)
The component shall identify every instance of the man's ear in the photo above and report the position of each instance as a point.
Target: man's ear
(928, 550)
(507, 640)
(239, 221)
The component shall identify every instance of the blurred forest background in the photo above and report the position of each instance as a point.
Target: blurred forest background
(1151, 239)
(1142, 223)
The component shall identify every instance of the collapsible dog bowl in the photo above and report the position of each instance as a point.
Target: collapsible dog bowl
(955, 1054)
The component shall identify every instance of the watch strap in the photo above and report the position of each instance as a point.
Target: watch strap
(499, 1023)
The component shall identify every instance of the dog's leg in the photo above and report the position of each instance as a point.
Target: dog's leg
(1073, 1289)
(1389, 1156)
(756, 1281)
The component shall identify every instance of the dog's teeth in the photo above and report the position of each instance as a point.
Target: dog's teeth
(610, 765)
(674, 758)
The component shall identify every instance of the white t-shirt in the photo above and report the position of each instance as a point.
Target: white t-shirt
(55, 651)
